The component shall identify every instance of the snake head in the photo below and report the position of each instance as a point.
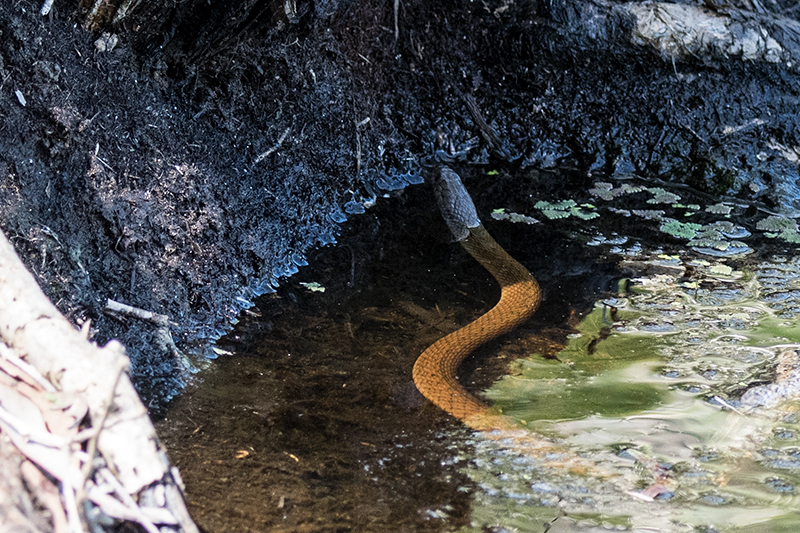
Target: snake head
(455, 204)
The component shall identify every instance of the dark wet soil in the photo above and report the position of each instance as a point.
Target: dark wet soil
(314, 424)
(215, 145)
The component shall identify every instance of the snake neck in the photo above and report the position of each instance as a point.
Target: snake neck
(504, 268)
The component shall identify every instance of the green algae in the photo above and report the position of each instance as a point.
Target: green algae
(582, 380)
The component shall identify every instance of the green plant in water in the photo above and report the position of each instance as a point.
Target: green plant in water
(685, 230)
(502, 214)
(565, 209)
(660, 196)
(313, 286)
(607, 191)
(719, 209)
(778, 226)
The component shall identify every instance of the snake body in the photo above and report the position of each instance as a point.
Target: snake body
(436, 369)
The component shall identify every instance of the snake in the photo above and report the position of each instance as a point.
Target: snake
(435, 370)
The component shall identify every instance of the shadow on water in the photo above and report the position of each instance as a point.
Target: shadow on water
(313, 423)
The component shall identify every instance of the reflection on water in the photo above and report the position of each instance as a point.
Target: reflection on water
(711, 445)
(667, 407)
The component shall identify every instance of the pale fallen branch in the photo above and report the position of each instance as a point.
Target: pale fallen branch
(92, 404)
(135, 312)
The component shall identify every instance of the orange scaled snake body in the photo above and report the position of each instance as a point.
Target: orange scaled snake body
(435, 370)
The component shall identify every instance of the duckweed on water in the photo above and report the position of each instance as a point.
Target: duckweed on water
(502, 214)
(685, 230)
(777, 226)
(660, 196)
(313, 286)
(565, 209)
(716, 238)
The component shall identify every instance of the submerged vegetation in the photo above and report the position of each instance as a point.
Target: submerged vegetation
(684, 389)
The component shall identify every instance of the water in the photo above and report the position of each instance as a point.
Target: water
(657, 405)
(665, 406)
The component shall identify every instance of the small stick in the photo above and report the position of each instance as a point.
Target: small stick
(275, 146)
(46, 7)
(359, 125)
(485, 129)
(164, 337)
(396, 16)
(135, 312)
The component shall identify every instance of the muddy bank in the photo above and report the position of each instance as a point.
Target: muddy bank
(168, 169)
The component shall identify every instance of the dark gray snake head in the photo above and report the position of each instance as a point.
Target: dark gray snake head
(455, 204)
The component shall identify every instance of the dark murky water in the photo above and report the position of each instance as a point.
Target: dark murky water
(312, 422)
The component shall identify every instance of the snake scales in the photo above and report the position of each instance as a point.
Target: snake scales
(435, 370)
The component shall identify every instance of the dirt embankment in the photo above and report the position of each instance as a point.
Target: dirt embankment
(189, 158)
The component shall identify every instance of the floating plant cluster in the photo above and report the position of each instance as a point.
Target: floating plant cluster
(566, 209)
(709, 230)
(502, 214)
(720, 238)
